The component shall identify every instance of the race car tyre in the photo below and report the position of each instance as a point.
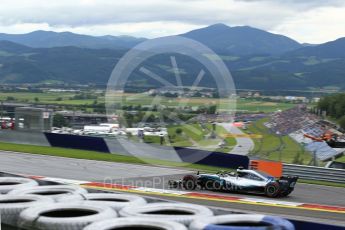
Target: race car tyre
(63, 216)
(53, 191)
(218, 185)
(179, 212)
(189, 182)
(12, 205)
(135, 223)
(241, 222)
(115, 201)
(272, 189)
(8, 184)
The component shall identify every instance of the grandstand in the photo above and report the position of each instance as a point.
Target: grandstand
(298, 122)
(323, 151)
(291, 120)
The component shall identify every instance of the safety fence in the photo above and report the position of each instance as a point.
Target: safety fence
(315, 173)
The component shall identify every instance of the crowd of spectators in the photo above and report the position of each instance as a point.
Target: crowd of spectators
(291, 120)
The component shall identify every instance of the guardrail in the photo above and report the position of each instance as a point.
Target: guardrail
(315, 173)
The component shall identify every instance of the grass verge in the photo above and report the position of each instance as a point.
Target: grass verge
(341, 159)
(99, 156)
(277, 148)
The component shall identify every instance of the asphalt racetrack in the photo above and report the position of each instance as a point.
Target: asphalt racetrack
(157, 177)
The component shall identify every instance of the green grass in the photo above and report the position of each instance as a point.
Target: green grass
(195, 134)
(190, 133)
(220, 131)
(249, 105)
(99, 156)
(43, 97)
(274, 147)
(254, 105)
(63, 152)
(208, 142)
(48, 98)
(341, 159)
(152, 139)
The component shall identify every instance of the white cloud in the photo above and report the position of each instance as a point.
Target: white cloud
(320, 25)
(302, 20)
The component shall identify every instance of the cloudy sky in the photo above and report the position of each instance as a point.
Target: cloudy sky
(311, 21)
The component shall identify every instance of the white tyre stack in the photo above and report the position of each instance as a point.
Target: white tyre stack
(12, 205)
(115, 201)
(63, 216)
(178, 212)
(135, 223)
(53, 191)
(242, 222)
(8, 184)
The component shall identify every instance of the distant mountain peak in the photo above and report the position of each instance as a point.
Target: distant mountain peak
(242, 40)
(219, 25)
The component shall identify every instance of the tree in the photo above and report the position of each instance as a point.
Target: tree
(10, 98)
(212, 109)
(178, 131)
(59, 121)
(36, 99)
(334, 105)
(151, 118)
(342, 122)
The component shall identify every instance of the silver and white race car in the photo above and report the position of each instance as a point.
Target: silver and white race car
(243, 180)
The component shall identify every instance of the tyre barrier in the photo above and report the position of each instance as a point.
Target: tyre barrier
(63, 216)
(180, 212)
(135, 223)
(155, 209)
(115, 201)
(242, 222)
(12, 205)
(8, 184)
(53, 191)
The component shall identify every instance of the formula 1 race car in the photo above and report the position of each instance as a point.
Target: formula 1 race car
(243, 180)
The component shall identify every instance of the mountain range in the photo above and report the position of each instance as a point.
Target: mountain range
(257, 59)
(49, 39)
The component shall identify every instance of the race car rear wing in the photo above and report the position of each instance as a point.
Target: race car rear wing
(288, 180)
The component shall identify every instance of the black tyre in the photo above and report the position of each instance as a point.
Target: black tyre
(217, 185)
(272, 189)
(189, 182)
